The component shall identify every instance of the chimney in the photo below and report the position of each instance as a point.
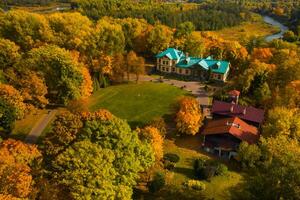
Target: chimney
(245, 111)
(231, 109)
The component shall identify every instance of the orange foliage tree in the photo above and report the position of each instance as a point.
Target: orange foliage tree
(154, 137)
(189, 118)
(262, 54)
(87, 83)
(15, 168)
(13, 97)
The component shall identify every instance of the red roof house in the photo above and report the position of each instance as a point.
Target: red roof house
(226, 134)
(249, 114)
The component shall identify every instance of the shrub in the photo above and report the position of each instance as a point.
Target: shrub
(221, 169)
(172, 157)
(157, 183)
(169, 165)
(199, 168)
(195, 184)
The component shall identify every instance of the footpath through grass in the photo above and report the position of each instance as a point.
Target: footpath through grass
(137, 103)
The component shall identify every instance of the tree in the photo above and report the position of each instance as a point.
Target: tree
(109, 156)
(109, 37)
(31, 85)
(160, 124)
(16, 175)
(188, 118)
(159, 38)
(87, 83)
(184, 29)
(263, 93)
(26, 29)
(248, 154)
(13, 98)
(278, 176)
(289, 36)
(62, 73)
(283, 121)
(90, 172)
(119, 68)
(138, 67)
(9, 54)
(65, 129)
(131, 61)
(195, 45)
(262, 54)
(153, 136)
(133, 30)
(71, 30)
(8, 116)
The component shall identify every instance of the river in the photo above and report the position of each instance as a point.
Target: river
(273, 22)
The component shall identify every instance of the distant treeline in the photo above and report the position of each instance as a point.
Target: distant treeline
(205, 16)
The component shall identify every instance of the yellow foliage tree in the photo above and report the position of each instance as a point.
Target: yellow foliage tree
(189, 117)
(156, 140)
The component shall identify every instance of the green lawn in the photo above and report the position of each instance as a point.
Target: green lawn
(188, 148)
(137, 103)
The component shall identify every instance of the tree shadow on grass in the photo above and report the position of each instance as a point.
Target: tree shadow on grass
(188, 172)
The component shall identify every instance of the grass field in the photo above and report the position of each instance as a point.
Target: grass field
(257, 28)
(137, 103)
(188, 149)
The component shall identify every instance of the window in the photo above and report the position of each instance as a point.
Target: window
(163, 68)
(173, 69)
(180, 71)
(186, 71)
(165, 62)
(167, 69)
(219, 77)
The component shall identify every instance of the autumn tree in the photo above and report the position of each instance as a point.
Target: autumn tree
(65, 129)
(62, 73)
(12, 97)
(119, 68)
(108, 37)
(189, 117)
(31, 85)
(9, 54)
(194, 45)
(278, 176)
(133, 30)
(8, 116)
(159, 38)
(248, 154)
(283, 121)
(71, 30)
(184, 29)
(16, 161)
(154, 137)
(104, 141)
(26, 29)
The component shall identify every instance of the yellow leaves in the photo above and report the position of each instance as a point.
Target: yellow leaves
(262, 54)
(101, 114)
(15, 177)
(156, 140)
(189, 118)
(87, 83)
(13, 97)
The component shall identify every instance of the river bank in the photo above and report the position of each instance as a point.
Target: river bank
(271, 21)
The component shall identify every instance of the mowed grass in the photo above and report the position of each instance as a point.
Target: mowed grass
(189, 148)
(137, 103)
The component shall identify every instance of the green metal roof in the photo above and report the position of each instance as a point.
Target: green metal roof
(216, 66)
(171, 53)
